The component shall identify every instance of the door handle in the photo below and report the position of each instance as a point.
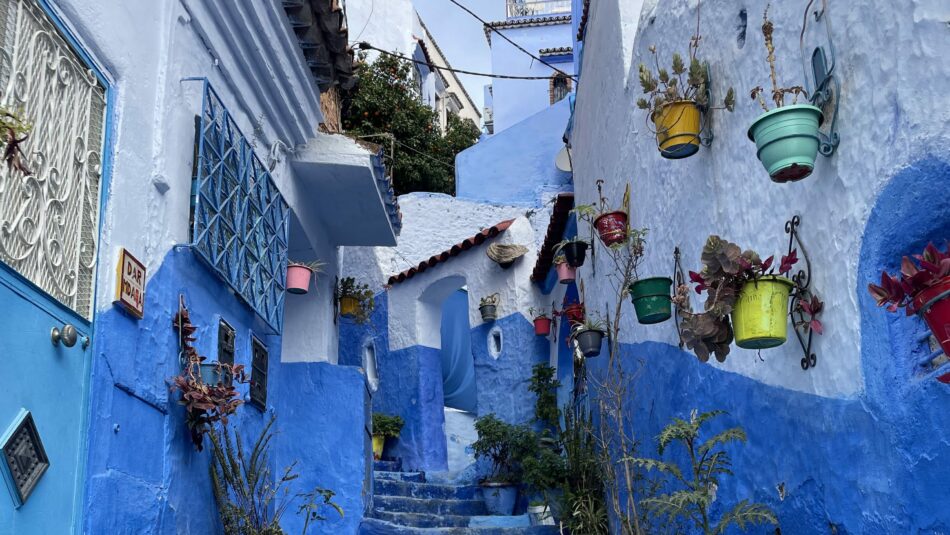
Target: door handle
(67, 335)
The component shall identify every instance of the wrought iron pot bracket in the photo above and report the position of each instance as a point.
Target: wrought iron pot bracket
(678, 280)
(822, 85)
(802, 293)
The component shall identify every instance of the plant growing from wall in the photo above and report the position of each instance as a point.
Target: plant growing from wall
(251, 499)
(355, 299)
(208, 391)
(386, 101)
(708, 464)
(13, 132)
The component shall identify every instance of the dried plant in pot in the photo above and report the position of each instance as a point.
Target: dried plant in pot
(786, 137)
(923, 288)
(678, 99)
(488, 307)
(299, 275)
(744, 288)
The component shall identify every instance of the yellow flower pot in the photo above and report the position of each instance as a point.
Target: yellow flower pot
(677, 129)
(760, 318)
(378, 442)
(349, 306)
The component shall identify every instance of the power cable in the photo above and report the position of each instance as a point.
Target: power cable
(366, 46)
(505, 37)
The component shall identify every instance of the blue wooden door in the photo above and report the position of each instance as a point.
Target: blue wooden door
(51, 93)
(42, 411)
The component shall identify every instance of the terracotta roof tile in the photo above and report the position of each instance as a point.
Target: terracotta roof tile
(455, 250)
(563, 205)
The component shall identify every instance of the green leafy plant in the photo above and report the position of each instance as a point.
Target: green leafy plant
(250, 499)
(544, 386)
(778, 93)
(13, 132)
(583, 503)
(709, 463)
(348, 287)
(386, 425)
(505, 445)
(386, 104)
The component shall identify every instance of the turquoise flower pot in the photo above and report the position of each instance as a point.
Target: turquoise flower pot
(786, 140)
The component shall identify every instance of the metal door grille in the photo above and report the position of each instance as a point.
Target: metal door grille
(240, 217)
(49, 219)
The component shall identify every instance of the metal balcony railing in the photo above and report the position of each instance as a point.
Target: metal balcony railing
(533, 8)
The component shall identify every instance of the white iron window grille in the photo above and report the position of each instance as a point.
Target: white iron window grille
(240, 218)
(533, 8)
(49, 219)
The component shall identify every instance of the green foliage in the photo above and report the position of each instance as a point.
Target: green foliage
(251, 501)
(386, 425)
(506, 445)
(348, 287)
(583, 504)
(544, 386)
(386, 102)
(708, 464)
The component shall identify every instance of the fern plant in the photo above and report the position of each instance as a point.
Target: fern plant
(709, 462)
(250, 500)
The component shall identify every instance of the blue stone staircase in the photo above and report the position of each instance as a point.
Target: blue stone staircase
(406, 504)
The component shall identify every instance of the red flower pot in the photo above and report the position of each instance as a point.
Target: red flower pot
(933, 304)
(542, 326)
(612, 227)
(574, 313)
(565, 273)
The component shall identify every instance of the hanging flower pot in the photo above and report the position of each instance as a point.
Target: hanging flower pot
(933, 305)
(575, 252)
(677, 129)
(652, 300)
(488, 307)
(349, 306)
(786, 141)
(612, 227)
(760, 316)
(542, 326)
(574, 313)
(589, 341)
(565, 273)
(298, 278)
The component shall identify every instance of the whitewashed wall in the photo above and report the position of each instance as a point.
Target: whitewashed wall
(894, 109)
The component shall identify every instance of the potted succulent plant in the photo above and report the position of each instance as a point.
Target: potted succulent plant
(786, 138)
(589, 335)
(488, 307)
(923, 288)
(355, 299)
(503, 444)
(574, 251)
(676, 99)
(565, 273)
(384, 427)
(299, 275)
(741, 284)
(652, 299)
(542, 323)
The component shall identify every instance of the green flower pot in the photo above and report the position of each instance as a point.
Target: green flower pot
(786, 140)
(652, 300)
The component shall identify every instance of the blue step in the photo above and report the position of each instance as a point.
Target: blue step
(423, 520)
(375, 526)
(417, 477)
(402, 504)
(386, 487)
(388, 466)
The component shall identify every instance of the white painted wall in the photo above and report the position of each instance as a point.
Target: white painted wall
(386, 24)
(894, 109)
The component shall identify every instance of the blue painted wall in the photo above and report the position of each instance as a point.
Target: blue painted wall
(516, 167)
(878, 463)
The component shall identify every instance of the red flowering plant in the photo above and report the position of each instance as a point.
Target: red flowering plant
(898, 292)
(207, 402)
(726, 269)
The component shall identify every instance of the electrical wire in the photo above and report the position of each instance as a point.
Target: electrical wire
(516, 45)
(366, 46)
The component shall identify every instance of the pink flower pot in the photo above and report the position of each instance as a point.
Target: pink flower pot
(565, 273)
(298, 279)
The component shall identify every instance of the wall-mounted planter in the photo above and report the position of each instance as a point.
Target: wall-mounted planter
(489, 313)
(500, 498)
(612, 227)
(574, 313)
(542, 326)
(349, 306)
(652, 300)
(933, 304)
(589, 341)
(565, 273)
(787, 141)
(379, 442)
(760, 317)
(575, 253)
(298, 279)
(677, 129)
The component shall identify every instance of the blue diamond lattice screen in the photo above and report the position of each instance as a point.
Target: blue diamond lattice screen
(240, 217)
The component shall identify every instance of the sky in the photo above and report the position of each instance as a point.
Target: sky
(461, 37)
